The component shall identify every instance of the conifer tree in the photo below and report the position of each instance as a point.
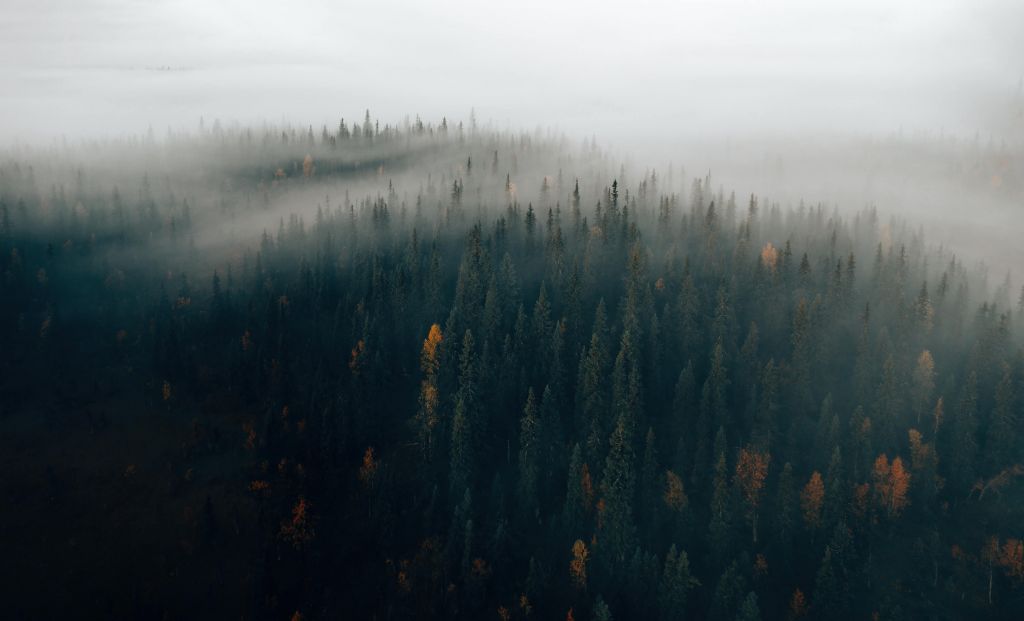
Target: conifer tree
(961, 444)
(751, 472)
(467, 421)
(1001, 445)
(618, 484)
(579, 494)
(530, 458)
(675, 584)
(592, 398)
(429, 402)
(720, 526)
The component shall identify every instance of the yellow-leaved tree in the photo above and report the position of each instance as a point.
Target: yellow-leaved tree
(427, 415)
(751, 472)
(578, 564)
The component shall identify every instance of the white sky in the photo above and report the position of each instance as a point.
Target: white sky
(639, 70)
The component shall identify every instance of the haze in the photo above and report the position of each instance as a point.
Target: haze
(649, 71)
(797, 100)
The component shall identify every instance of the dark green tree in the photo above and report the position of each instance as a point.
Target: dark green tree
(618, 486)
(467, 421)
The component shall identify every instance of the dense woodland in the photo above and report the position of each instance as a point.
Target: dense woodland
(446, 371)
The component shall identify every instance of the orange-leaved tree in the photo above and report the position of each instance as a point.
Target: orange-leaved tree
(811, 498)
(578, 564)
(368, 469)
(891, 483)
(427, 416)
(674, 496)
(751, 472)
(298, 530)
(797, 605)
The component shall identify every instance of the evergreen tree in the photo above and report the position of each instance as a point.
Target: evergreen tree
(530, 458)
(961, 442)
(618, 484)
(1001, 446)
(467, 421)
(720, 527)
(728, 594)
(578, 496)
(592, 398)
(749, 610)
(675, 585)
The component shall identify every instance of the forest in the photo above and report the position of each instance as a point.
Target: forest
(442, 370)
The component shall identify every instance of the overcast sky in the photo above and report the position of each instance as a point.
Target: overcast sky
(644, 70)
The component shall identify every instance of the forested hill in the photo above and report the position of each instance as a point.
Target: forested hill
(444, 371)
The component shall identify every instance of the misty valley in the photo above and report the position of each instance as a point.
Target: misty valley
(444, 370)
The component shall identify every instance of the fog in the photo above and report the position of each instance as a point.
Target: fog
(798, 100)
(649, 71)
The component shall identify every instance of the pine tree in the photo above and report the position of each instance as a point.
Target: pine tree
(785, 513)
(618, 483)
(714, 412)
(751, 472)
(578, 565)
(811, 499)
(683, 403)
(592, 398)
(530, 461)
(801, 360)
(675, 584)
(889, 406)
(720, 526)
(467, 422)
(923, 312)
(579, 494)
(728, 594)
(552, 452)
(836, 496)
(427, 417)
(765, 416)
(456, 540)
(649, 477)
(749, 610)
(961, 445)
(1001, 445)
(715, 391)
(826, 599)
(923, 385)
(626, 389)
(542, 325)
(601, 610)
(470, 290)
(688, 313)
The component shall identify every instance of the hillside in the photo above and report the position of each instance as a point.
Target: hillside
(440, 370)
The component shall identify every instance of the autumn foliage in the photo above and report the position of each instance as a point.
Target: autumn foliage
(578, 564)
(797, 605)
(427, 416)
(368, 468)
(751, 472)
(769, 256)
(811, 498)
(298, 530)
(674, 496)
(891, 483)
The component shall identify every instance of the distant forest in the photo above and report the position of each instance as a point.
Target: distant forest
(439, 370)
